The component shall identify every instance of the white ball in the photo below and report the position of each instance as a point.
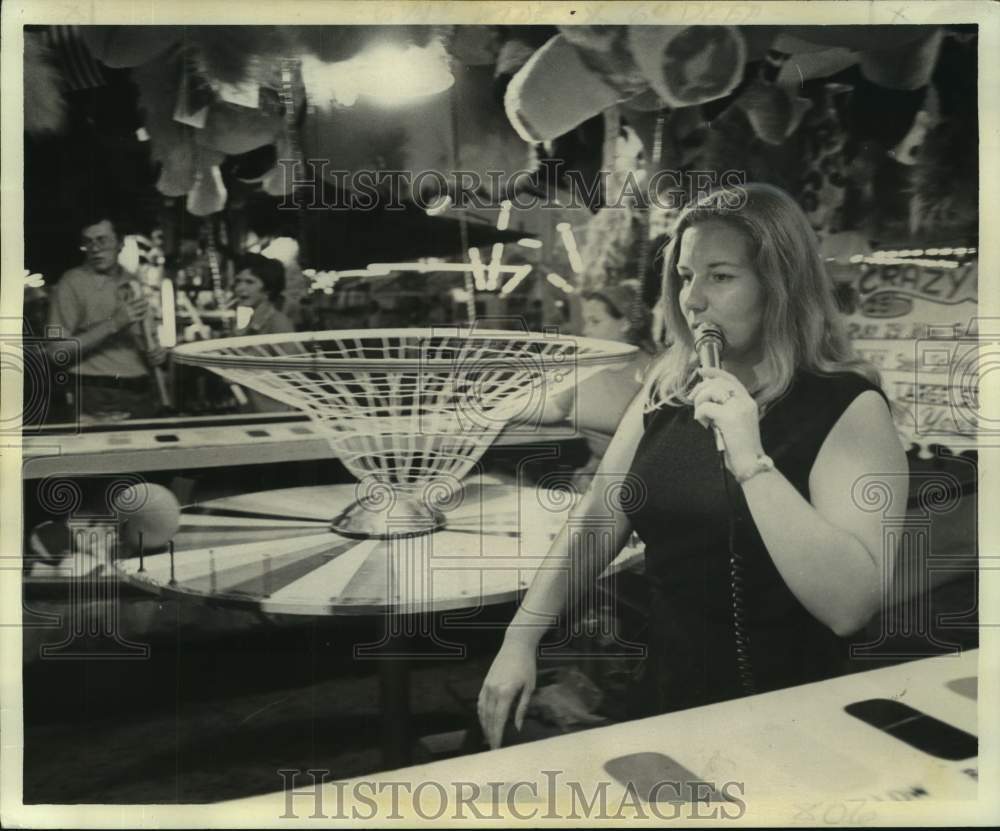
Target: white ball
(150, 510)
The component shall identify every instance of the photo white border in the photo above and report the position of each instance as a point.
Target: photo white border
(288, 12)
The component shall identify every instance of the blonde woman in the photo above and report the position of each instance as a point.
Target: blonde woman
(761, 568)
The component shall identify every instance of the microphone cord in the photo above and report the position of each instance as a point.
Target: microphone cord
(744, 667)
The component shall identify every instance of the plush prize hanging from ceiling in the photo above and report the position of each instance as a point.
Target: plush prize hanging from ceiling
(586, 69)
(617, 250)
(216, 92)
(45, 107)
(280, 181)
(193, 123)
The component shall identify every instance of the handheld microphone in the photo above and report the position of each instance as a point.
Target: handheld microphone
(709, 344)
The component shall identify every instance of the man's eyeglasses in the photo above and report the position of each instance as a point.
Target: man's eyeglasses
(98, 244)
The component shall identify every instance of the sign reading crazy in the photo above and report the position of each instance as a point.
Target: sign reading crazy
(917, 324)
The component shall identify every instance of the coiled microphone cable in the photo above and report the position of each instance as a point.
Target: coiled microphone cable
(744, 666)
(709, 344)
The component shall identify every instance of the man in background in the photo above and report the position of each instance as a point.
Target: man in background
(102, 307)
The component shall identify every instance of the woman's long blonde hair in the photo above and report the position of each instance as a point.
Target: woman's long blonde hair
(802, 327)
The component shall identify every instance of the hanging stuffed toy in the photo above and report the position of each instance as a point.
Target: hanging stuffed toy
(193, 124)
(177, 165)
(728, 147)
(689, 65)
(474, 45)
(824, 185)
(280, 181)
(171, 142)
(610, 251)
(577, 74)
(44, 105)
(514, 53)
(945, 183)
(606, 51)
(929, 116)
(232, 129)
(208, 194)
(231, 54)
(128, 46)
(894, 57)
(773, 111)
(905, 67)
(554, 92)
(251, 168)
(854, 38)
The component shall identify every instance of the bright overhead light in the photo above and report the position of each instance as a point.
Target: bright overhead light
(388, 74)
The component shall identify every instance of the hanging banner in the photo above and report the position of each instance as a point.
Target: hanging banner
(917, 324)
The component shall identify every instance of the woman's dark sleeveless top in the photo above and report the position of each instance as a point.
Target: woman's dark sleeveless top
(684, 523)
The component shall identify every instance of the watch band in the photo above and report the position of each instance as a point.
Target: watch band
(762, 464)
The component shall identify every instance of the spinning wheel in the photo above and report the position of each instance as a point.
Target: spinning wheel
(276, 553)
(408, 411)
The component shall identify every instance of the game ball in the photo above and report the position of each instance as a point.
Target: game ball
(150, 510)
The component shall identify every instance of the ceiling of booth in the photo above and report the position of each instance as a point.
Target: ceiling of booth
(111, 81)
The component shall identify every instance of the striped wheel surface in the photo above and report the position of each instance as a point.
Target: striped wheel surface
(274, 551)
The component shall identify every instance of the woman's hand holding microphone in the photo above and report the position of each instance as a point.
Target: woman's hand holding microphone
(721, 401)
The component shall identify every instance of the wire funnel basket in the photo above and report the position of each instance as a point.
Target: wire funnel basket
(407, 411)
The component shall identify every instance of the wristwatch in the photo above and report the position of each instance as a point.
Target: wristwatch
(762, 464)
